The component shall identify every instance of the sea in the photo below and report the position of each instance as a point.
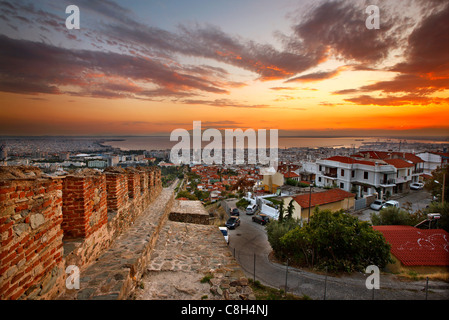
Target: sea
(163, 142)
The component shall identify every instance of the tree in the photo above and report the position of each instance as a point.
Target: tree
(336, 241)
(435, 184)
(290, 209)
(281, 211)
(391, 216)
(275, 231)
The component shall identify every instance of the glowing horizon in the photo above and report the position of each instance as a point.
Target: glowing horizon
(307, 69)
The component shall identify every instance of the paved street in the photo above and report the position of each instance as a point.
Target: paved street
(249, 243)
(418, 199)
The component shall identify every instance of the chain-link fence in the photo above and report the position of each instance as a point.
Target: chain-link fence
(325, 286)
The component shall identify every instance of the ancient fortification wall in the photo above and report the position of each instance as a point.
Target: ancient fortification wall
(47, 223)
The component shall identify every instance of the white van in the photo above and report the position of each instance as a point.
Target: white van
(251, 209)
(225, 233)
(390, 203)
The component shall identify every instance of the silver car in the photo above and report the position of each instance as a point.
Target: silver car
(377, 204)
(416, 185)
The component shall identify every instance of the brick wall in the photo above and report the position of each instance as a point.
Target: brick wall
(117, 189)
(41, 217)
(84, 205)
(31, 253)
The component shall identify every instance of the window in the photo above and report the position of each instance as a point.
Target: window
(352, 173)
(365, 175)
(319, 179)
(342, 173)
(321, 168)
(342, 185)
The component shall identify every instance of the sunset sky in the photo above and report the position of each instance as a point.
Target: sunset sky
(148, 67)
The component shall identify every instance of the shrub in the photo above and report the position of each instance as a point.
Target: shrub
(391, 216)
(242, 203)
(275, 231)
(336, 241)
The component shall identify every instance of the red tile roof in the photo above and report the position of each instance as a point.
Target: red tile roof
(374, 154)
(382, 155)
(417, 247)
(409, 156)
(349, 160)
(290, 174)
(399, 163)
(325, 197)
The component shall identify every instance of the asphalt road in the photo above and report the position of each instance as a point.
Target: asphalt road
(417, 199)
(250, 246)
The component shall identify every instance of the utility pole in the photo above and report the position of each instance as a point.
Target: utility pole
(442, 193)
(310, 202)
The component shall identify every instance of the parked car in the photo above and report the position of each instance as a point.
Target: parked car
(390, 203)
(225, 233)
(235, 212)
(233, 222)
(261, 218)
(417, 185)
(251, 209)
(377, 204)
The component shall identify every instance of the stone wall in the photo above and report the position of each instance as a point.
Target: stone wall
(49, 223)
(31, 253)
(189, 212)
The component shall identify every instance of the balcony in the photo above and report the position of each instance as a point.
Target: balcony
(387, 182)
(332, 175)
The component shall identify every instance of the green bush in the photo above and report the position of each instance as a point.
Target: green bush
(334, 241)
(242, 203)
(275, 231)
(391, 216)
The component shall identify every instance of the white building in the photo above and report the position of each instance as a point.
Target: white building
(97, 164)
(365, 177)
(433, 160)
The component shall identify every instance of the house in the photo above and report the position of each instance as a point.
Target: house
(418, 163)
(353, 174)
(433, 160)
(403, 174)
(419, 250)
(292, 175)
(334, 199)
(371, 172)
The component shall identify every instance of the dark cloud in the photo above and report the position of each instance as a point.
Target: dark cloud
(338, 28)
(31, 67)
(149, 56)
(424, 71)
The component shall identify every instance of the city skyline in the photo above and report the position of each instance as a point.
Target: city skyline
(306, 68)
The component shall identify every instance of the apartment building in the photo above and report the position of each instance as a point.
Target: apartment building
(433, 160)
(370, 172)
(364, 177)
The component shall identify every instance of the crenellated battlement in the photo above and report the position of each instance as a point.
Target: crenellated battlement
(48, 223)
